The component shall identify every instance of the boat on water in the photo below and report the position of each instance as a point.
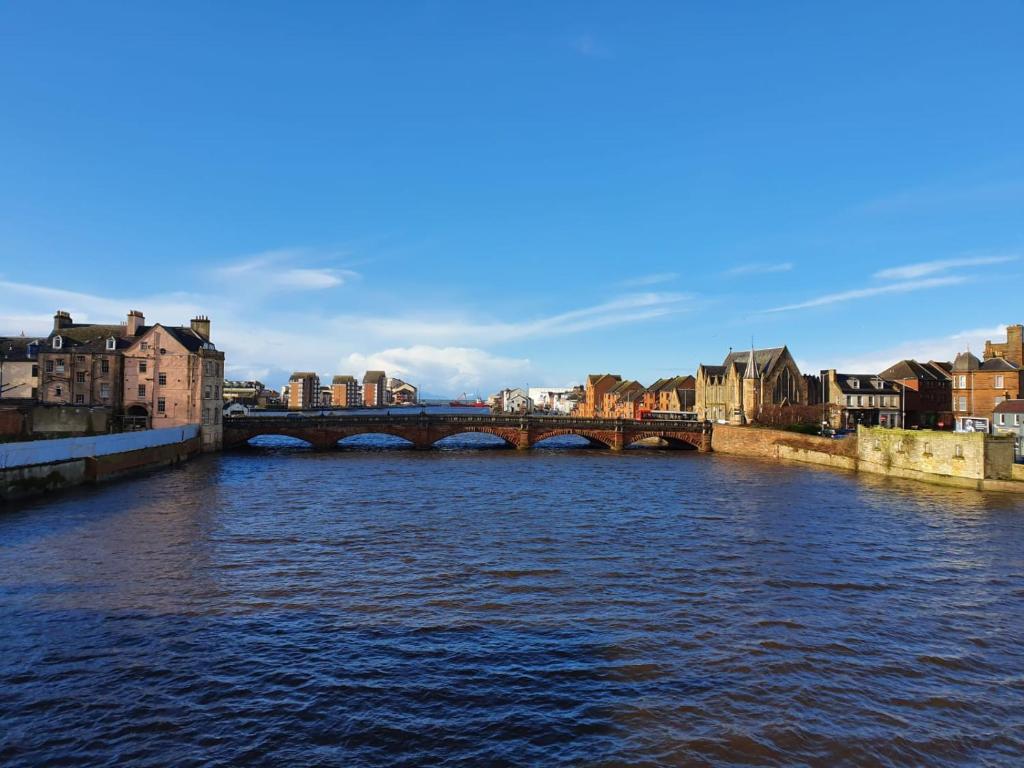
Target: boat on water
(466, 402)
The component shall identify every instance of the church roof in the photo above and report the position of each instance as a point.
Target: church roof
(765, 359)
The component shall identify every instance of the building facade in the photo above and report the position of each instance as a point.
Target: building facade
(1008, 419)
(1011, 350)
(19, 367)
(345, 392)
(853, 400)
(303, 390)
(175, 376)
(676, 394)
(926, 393)
(979, 386)
(594, 391)
(402, 392)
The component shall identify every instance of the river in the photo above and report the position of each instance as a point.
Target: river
(464, 607)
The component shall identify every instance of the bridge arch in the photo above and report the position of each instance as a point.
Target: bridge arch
(398, 440)
(683, 441)
(509, 437)
(596, 438)
(301, 441)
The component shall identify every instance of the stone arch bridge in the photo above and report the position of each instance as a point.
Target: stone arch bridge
(423, 430)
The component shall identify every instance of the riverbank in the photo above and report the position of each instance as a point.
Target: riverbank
(41, 466)
(957, 459)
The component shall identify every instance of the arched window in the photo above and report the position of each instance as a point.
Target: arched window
(111, 343)
(58, 342)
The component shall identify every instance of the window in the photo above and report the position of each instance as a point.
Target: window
(860, 400)
(999, 381)
(206, 392)
(1002, 419)
(854, 383)
(216, 390)
(104, 391)
(104, 366)
(60, 365)
(49, 366)
(111, 343)
(80, 377)
(871, 400)
(1016, 419)
(162, 379)
(35, 371)
(142, 390)
(849, 399)
(161, 405)
(143, 367)
(58, 342)
(962, 404)
(58, 391)
(79, 399)
(79, 358)
(216, 417)
(206, 415)
(961, 382)
(144, 346)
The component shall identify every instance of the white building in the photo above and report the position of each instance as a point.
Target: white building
(557, 400)
(516, 400)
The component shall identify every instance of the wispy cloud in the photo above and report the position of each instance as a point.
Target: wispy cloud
(432, 329)
(759, 269)
(879, 290)
(655, 279)
(276, 271)
(912, 271)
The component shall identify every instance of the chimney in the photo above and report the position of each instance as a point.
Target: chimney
(135, 321)
(201, 325)
(61, 320)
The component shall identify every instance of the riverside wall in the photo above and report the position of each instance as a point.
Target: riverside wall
(43, 466)
(963, 460)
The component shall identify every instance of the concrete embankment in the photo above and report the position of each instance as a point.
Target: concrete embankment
(40, 466)
(963, 460)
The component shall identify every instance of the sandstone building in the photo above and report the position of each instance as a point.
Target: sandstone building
(736, 390)
(19, 367)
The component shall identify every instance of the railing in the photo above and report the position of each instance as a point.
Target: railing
(557, 422)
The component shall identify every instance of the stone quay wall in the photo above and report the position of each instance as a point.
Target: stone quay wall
(788, 446)
(43, 466)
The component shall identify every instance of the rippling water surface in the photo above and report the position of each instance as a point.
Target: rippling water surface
(277, 606)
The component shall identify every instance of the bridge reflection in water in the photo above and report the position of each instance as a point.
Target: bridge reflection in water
(424, 430)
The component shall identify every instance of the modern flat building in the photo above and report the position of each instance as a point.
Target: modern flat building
(402, 392)
(245, 392)
(19, 367)
(375, 393)
(303, 390)
(345, 392)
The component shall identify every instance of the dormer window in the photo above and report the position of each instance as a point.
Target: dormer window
(879, 384)
(853, 383)
(111, 343)
(58, 342)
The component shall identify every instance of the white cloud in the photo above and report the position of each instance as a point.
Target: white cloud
(912, 271)
(864, 293)
(444, 369)
(759, 269)
(655, 279)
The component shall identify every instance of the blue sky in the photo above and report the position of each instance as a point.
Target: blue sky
(480, 194)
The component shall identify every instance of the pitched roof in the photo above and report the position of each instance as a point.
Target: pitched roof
(911, 369)
(372, 377)
(301, 375)
(713, 370)
(1010, 406)
(765, 359)
(342, 379)
(16, 348)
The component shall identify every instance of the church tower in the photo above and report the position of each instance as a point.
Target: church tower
(751, 389)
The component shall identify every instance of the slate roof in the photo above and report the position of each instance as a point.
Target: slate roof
(1010, 406)
(765, 359)
(998, 364)
(343, 380)
(966, 361)
(372, 377)
(911, 369)
(867, 387)
(301, 375)
(16, 348)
